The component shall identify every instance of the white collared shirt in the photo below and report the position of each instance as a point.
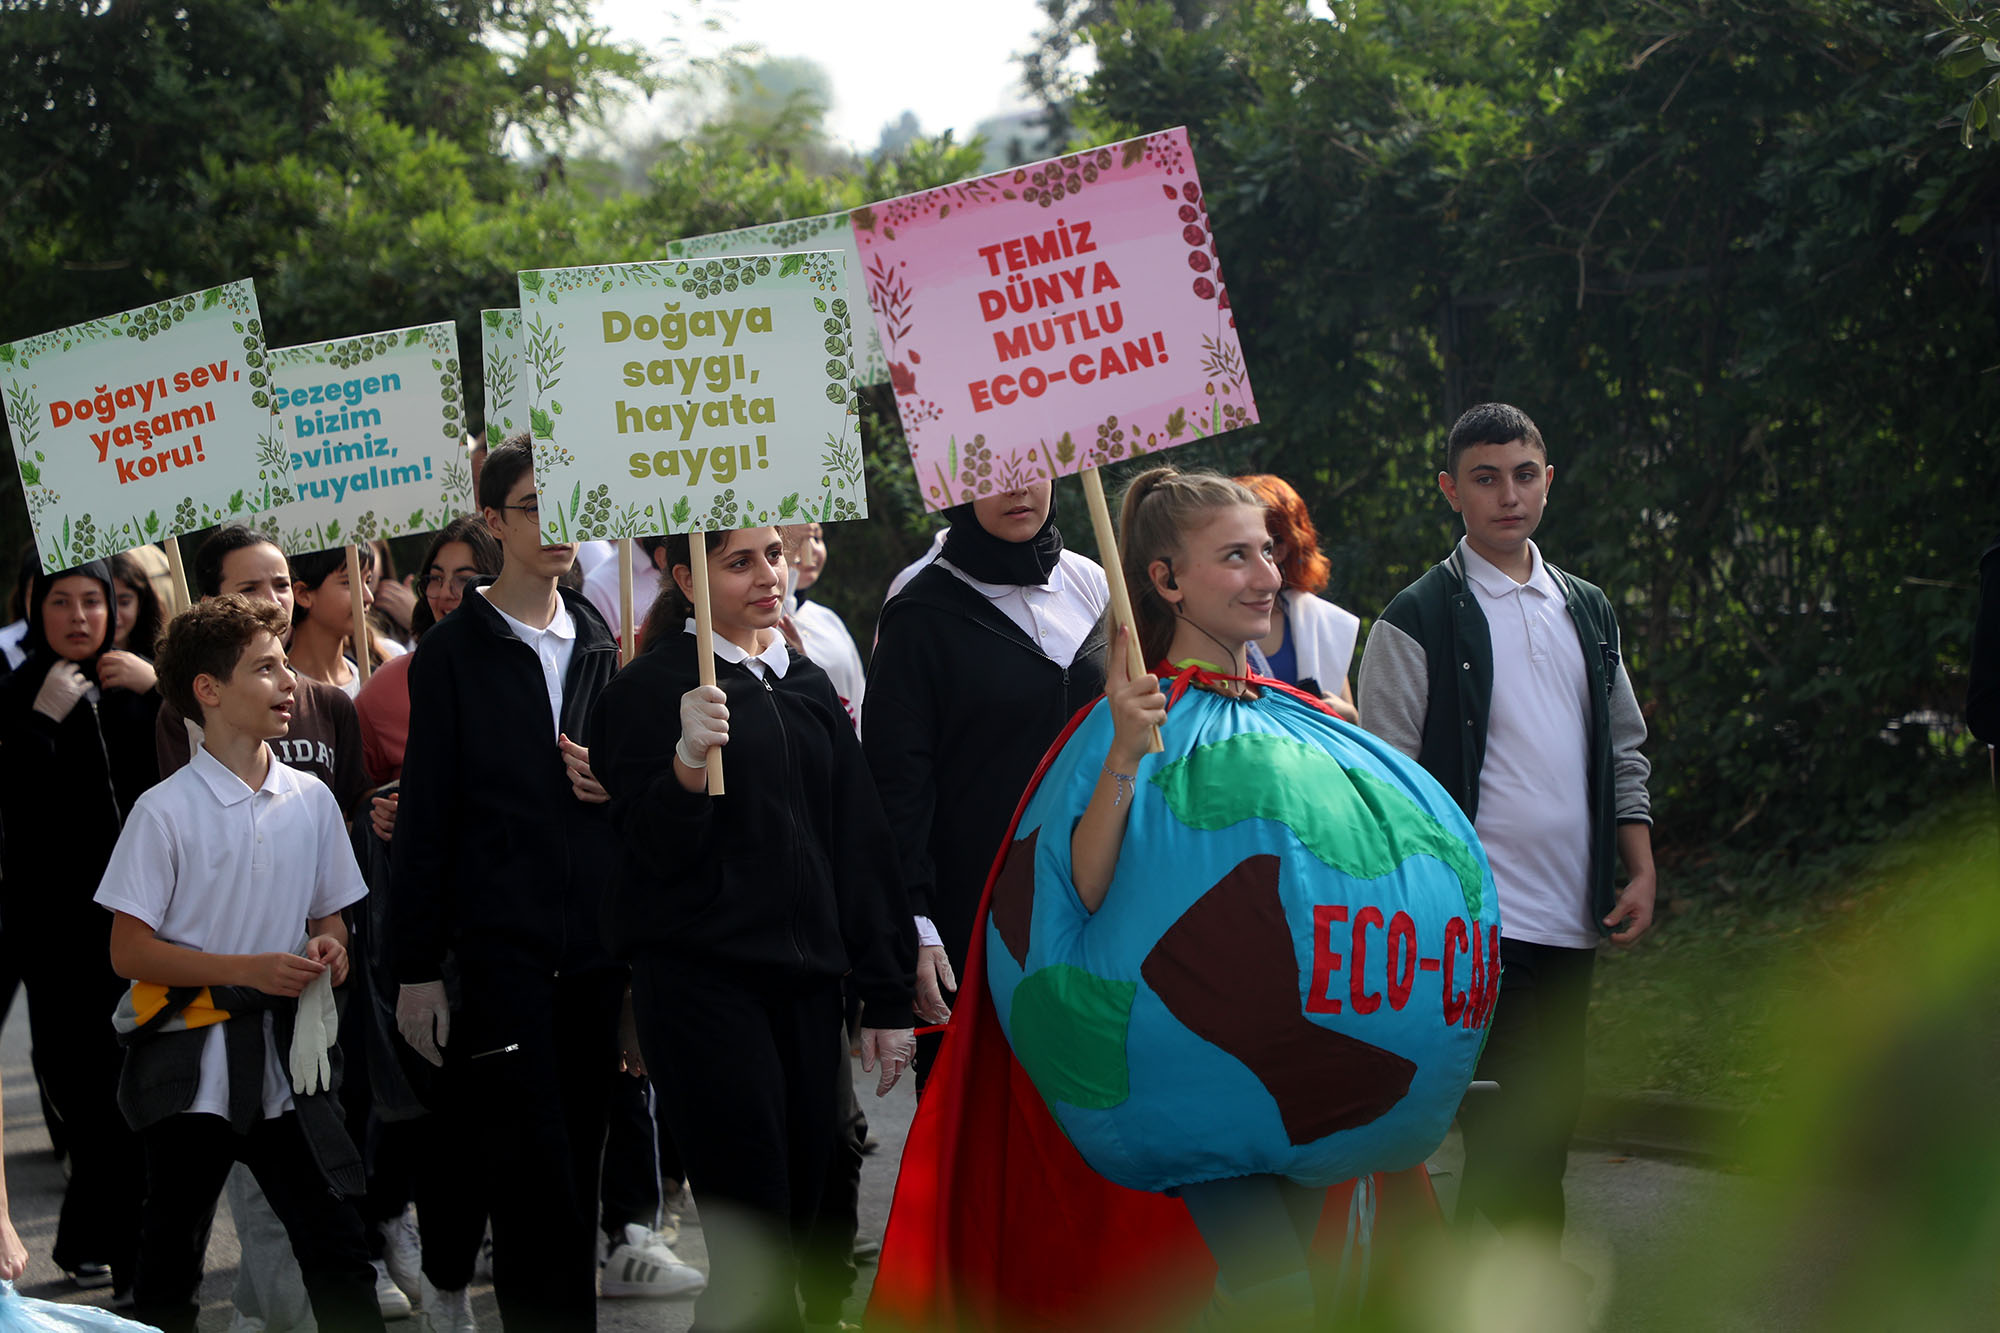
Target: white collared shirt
(1057, 616)
(776, 657)
(1534, 784)
(209, 864)
(553, 646)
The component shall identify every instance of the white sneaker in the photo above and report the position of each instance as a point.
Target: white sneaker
(643, 1265)
(388, 1296)
(403, 1253)
(448, 1311)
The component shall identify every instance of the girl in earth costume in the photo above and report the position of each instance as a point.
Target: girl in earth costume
(1237, 986)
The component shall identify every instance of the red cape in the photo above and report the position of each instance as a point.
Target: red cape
(998, 1223)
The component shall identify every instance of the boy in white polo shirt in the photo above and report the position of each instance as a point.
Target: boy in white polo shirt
(1501, 675)
(220, 873)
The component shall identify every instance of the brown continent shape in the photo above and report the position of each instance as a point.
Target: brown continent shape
(1226, 970)
(1013, 904)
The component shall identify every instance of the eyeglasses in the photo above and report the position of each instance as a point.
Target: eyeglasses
(533, 509)
(436, 584)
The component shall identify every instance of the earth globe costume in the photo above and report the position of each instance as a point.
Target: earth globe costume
(1290, 974)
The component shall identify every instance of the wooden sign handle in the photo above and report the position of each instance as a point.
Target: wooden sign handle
(704, 639)
(358, 635)
(628, 645)
(177, 581)
(1114, 576)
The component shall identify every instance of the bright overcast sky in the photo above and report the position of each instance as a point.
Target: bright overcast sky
(951, 63)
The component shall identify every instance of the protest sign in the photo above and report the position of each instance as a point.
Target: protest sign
(691, 395)
(144, 425)
(827, 231)
(1053, 318)
(373, 425)
(500, 353)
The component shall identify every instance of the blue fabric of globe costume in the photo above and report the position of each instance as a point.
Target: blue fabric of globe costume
(1292, 971)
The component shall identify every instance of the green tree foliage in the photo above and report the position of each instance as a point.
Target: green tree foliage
(1972, 50)
(1723, 254)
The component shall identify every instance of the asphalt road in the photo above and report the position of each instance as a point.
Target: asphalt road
(1629, 1219)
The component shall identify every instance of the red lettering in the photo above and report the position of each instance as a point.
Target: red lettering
(1475, 990)
(1325, 961)
(1454, 944)
(982, 401)
(124, 466)
(1402, 967)
(1363, 1002)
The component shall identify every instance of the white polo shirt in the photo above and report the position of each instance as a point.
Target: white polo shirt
(554, 646)
(1058, 615)
(1534, 784)
(209, 864)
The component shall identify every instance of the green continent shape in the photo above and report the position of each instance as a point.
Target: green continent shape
(1068, 1027)
(1350, 819)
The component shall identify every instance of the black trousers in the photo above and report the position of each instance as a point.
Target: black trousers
(827, 1271)
(633, 1161)
(745, 1068)
(1517, 1139)
(530, 1069)
(450, 1181)
(69, 1006)
(187, 1159)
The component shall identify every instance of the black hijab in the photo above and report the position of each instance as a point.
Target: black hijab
(41, 653)
(992, 559)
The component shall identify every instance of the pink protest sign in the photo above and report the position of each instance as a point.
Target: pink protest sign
(1054, 317)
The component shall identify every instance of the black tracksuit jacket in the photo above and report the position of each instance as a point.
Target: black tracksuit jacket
(961, 708)
(791, 871)
(493, 853)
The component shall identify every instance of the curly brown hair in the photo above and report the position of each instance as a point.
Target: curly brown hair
(208, 639)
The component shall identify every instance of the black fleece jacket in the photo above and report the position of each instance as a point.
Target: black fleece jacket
(791, 871)
(961, 708)
(493, 853)
(65, 789)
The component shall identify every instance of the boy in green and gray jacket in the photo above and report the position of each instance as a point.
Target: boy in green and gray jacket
(1501, 675)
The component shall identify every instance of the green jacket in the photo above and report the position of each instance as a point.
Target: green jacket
(1427, 684)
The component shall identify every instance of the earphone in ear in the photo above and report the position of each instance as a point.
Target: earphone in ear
(1172, 583)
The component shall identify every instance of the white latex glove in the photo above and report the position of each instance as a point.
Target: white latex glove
(704, 724)
(313, 1034)
(934, 977)
(894, 1047)
(61, 688)
(423, 1016)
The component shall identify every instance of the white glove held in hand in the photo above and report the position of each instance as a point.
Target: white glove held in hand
(61, 688)
(704, 724)
(313, 1033)
(423, 1016)
(894, 1047)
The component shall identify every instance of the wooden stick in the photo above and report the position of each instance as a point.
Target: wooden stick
(628, 645)
(1114, 576)
(358, 635)
(704, 639)
(177, 579)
